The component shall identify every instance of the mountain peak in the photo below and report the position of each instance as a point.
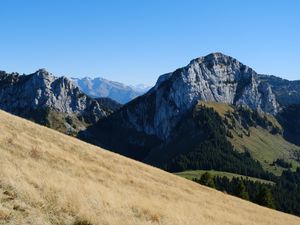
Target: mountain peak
(41, 90)
(216, 57)
(42, 72)
(101, 87)
(212, 78)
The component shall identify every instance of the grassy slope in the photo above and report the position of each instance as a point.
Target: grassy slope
(262, 145)
(190, 174)
(50, 178)
(57, 121)
(266, 148)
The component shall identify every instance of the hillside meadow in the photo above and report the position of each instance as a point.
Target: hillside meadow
(263, 146)
(50, 178)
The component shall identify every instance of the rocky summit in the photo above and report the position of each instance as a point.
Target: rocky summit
(167, 121)
(219, 78)
(32, 96)
(215, 77)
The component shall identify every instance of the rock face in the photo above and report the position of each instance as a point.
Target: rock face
(149, 123)
(215, 77)
(100, 87)
(26, 95)
(287, 92)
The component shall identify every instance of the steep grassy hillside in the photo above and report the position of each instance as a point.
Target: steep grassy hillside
(50, 178)
(66, 123)
(266, 148)
(260, 142)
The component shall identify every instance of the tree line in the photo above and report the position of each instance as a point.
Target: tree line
(283, 195)
(209, 149)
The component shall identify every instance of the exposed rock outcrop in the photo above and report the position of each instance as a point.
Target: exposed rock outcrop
(147, 125)
(287, 92)
(34, 96)
(215, 77)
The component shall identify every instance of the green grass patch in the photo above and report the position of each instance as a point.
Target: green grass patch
(267, 148)
(191, 174)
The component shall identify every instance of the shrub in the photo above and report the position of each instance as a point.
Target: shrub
(82, 222)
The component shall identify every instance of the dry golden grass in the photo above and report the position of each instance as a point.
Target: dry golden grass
(219, 107)
(49, 178)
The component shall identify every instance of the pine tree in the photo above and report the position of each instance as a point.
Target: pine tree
(207, 180)
(264, 197)
(241, 190)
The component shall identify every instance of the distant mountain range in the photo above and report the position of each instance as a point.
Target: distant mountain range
(100, 87)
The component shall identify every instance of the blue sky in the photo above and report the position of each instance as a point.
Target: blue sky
(136, 41)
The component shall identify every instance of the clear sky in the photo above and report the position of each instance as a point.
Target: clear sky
(135, 41)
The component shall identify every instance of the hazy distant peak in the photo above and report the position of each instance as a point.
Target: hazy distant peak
(101, 87)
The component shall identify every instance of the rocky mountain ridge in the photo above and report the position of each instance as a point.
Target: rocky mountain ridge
(287, 92)
(145, 127)
(215, 77)
(35, 95)
(150, 119)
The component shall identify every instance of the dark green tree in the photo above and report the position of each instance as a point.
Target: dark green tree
(264, 197)
(207, 180)
(241, 190)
